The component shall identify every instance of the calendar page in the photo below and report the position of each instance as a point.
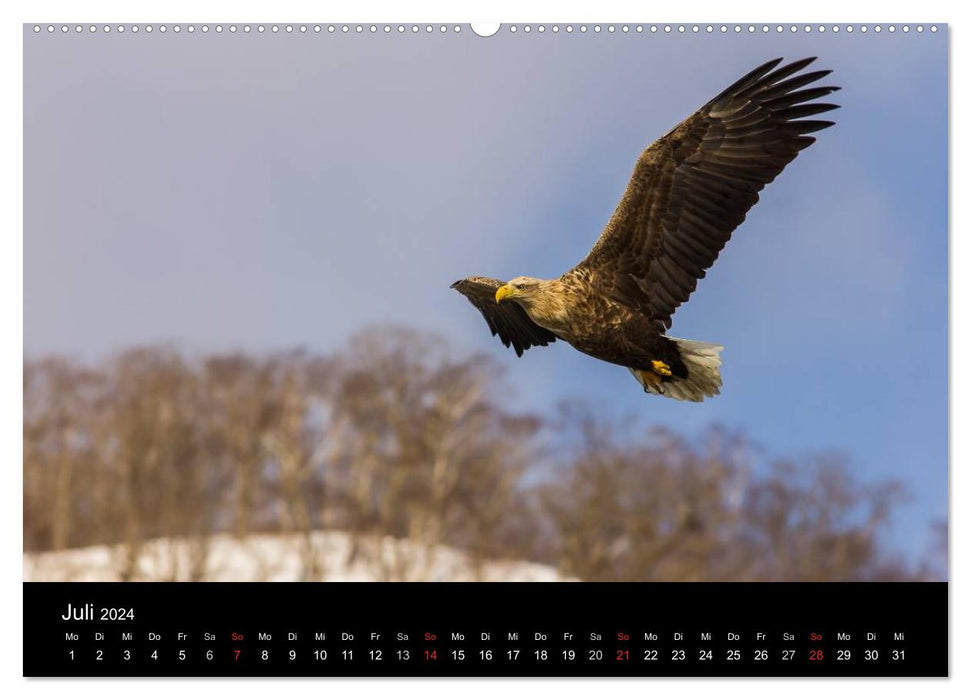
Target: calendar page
(545, 349)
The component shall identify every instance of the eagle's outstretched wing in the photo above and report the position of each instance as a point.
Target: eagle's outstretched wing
(693, 186)
(508, 321)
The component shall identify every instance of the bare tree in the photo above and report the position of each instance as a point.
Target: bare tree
(662, 509)
(428, 447)
(408, 447)
(59, 452)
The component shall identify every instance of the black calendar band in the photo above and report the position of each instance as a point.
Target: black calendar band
(485, 629)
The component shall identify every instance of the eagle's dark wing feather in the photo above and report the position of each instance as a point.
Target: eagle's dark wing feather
(508, 321)
(693, 187)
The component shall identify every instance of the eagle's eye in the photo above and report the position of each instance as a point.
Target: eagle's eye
(520, 286)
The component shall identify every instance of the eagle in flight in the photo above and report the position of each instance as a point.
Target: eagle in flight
(690, 189)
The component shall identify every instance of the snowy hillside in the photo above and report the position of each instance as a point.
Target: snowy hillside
(333, 556)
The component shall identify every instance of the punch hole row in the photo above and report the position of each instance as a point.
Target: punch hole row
(252, 28)
(716, 28)
(512, 29)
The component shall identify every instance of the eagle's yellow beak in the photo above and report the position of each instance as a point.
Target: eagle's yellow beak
(504, 292)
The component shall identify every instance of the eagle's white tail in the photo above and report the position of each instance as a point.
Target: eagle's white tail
(704, 378)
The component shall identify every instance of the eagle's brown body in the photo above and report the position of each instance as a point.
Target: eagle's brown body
(598, 326)
(689, 191)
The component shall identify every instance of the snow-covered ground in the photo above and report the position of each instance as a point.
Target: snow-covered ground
(336, 556)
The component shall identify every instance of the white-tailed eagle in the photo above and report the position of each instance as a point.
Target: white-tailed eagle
(690, 190)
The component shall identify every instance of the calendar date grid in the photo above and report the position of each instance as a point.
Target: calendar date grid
(333, 649)
(485, 629)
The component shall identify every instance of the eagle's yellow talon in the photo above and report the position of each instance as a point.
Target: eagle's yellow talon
(661, 368)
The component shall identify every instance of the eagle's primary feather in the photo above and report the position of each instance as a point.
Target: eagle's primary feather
(689, 191)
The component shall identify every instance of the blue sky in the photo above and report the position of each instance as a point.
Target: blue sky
(264, 192)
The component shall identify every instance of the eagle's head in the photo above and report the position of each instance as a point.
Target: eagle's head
(546, 302)
(521, 289)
